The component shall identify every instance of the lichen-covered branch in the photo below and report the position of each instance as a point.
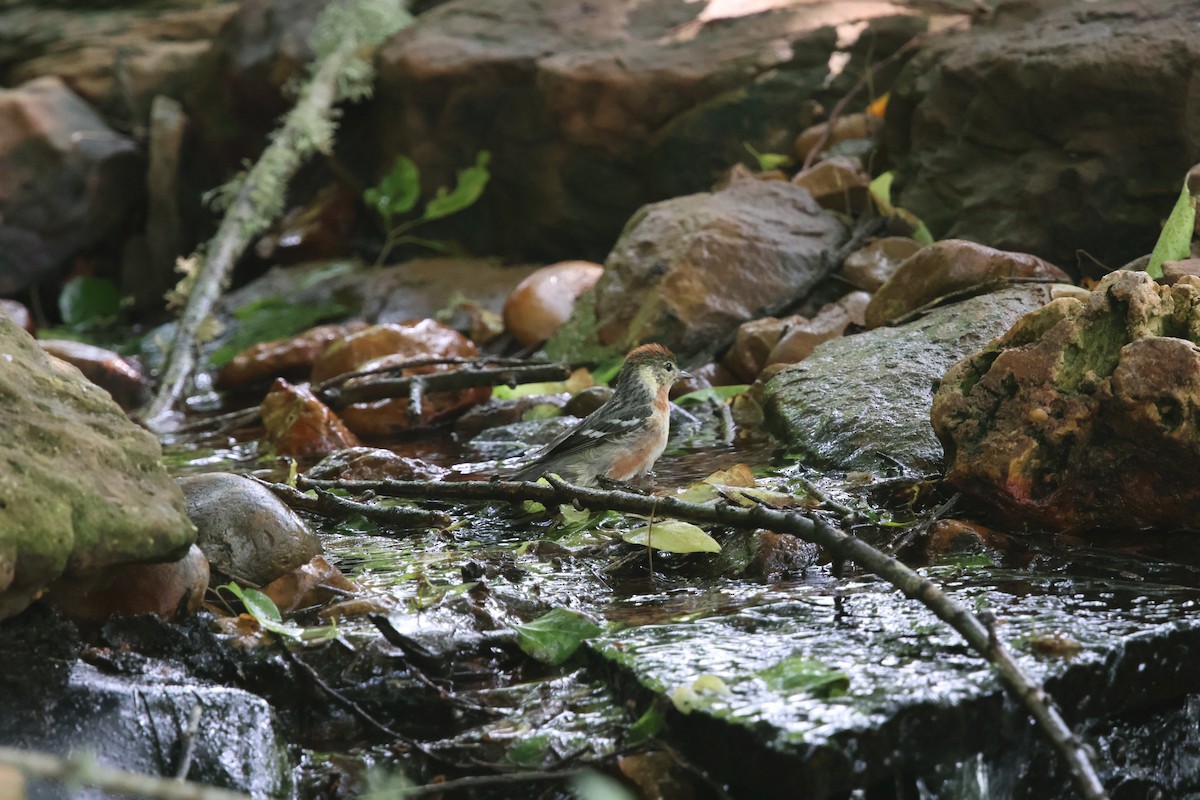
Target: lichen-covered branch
(810, 528)
(344, 39)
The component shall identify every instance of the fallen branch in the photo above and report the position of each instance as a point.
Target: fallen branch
(82, 769)
(330, 505)
(1073, 751)
(337, 397)
(344, 36)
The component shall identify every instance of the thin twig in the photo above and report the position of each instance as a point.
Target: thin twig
(189, 743)
(898, 544)
(82, 769)
(867, 77)
(1073, 750)
(398, 367)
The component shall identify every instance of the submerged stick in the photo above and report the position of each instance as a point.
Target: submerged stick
(1029, 692)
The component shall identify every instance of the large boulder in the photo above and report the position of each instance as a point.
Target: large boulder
(862, 402)
(1036, 134)
(1087, 413)
(117, 56)
(688, 271)
(82, 488)
(67, 181)
(592, 110)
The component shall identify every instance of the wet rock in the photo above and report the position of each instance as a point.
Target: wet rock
(121, 378)
(117, 57)
(587, 401)
(593, 110)
(845, 127)
(291, 358)
(872, 266)
(319, 229)
(1050, 180)
(765, 556)
(413, 340)
(802, 337)
(862, 402)
(910, 704)
(1084, 414)
(246, 532)
(950, 266)
(239, 90)
(1174, 270)
(18, 313)
(373, 464)
(521, 438)
(169, 590)
(686, 272)
(391, 345)
(82, 488)
(544, 301)
(122, 708)
(953, 539)
(506, 412)
(298, 424)
(838, 183)
(762, 342)
(71, 181)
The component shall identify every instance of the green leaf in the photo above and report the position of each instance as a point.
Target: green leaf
(673, 536)
(712, 393)
(471, 183)
(554, 636)
(530, 752)
(793, 675)
(646, 727)
(264, 611)
(574, 516)
(88, 301)
(272, 318)
(1175, 241)
(767, 161)
(399, 190)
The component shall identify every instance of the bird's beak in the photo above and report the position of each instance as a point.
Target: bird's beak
(684, 375)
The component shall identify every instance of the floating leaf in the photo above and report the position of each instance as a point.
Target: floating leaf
(574, 516)
(399, 190)
(554, 636)
(88, 301)
(672, 536)
(471, 183)
(1175, 241)
(793, 675)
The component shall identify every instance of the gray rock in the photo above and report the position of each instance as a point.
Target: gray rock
(688, 271)
(246, 532)
(81, 487)
(862, 402)
(70, 181)
(591, 110)
(137, 724)
(1031, 133)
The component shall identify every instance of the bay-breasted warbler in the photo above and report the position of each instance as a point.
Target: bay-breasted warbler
(623, 438)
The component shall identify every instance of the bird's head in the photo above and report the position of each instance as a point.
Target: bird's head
(652, 365)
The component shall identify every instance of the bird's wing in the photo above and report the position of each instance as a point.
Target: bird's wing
(596, 428)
